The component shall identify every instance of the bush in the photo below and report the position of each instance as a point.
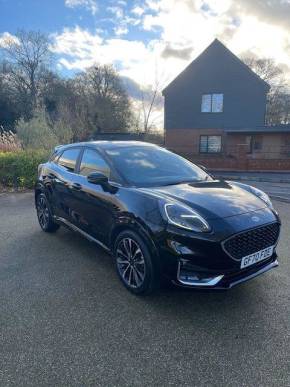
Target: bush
(19, 169)
(41, 133)
(36, 133)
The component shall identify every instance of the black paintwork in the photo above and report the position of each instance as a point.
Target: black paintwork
(104, 211)
(216, 70)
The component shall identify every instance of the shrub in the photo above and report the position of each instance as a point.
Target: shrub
(41, 133)
(36, 133)
(19, 169)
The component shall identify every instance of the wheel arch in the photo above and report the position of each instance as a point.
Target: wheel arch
(137, 228)
(38, 190)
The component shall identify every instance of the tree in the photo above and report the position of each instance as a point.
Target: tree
(72, 111)
(151, 101)
(9, 110)
(149, 104)
(28, 55)
(266, 69)
(91, 102)
(106, 102)
(278, 99)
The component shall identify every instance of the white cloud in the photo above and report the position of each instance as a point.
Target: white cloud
(123, 3)
(90, 5)
(77, 43)
(78, 49)
(250, 25)
(116, 11)
(138, 11)
(186, 28)
(81, 49)
(155, 5)
(121, 30)
(6, 37)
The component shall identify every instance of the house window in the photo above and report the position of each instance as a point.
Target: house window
(212, 103)
(249, 144)
(254, 143)
(257, 143)
(210, 144)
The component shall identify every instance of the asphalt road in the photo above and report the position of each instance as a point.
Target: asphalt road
(66, 320)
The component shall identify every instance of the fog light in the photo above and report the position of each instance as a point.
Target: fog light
(179, 248)
(187, 276)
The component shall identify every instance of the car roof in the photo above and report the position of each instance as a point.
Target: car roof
(105, 144)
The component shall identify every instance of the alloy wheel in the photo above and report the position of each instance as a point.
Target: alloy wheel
(42, 212)
(130, 262)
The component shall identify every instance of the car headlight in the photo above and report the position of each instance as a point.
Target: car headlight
(185, 217)
(262, 195)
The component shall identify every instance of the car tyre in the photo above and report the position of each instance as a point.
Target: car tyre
(44, 215)
(134, 263)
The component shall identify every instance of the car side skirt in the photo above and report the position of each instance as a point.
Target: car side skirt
(83, 233)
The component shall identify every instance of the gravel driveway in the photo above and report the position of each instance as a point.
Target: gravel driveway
(66, 320)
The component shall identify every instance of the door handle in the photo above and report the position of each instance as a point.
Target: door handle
(76, 186)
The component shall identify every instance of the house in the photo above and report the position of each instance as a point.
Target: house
(214, 113)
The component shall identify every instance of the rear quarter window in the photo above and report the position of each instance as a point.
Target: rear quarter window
(54, 157)
(68, 159)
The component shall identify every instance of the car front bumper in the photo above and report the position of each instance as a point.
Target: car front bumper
(202, 261)
(224, 281)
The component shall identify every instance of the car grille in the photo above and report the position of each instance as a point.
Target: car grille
(249, 242)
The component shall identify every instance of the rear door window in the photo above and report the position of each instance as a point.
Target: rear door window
(68, 159)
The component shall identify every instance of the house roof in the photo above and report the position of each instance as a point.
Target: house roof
(221, 47)
(261, 129)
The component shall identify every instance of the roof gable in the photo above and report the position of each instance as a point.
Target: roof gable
(216, 48)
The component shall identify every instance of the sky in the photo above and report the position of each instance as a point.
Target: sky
(151, 41)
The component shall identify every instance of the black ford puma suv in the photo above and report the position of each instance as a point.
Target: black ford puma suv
(158, 214)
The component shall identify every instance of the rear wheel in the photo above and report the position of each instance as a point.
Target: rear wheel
(134, 263)
(44, 215)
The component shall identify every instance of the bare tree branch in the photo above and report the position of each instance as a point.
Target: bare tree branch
(28, 55)
(278, 102)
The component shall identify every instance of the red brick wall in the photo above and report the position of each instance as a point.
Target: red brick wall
(269, 165)
(235, 152)
(224, 164)
(187, 140)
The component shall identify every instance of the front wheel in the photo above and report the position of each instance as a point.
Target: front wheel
(44, 215)
(134, 263)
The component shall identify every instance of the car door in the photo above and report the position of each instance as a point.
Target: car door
(95, 208)
(63, 180)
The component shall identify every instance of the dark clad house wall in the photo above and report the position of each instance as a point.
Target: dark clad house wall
(246, 142)
(216, 70)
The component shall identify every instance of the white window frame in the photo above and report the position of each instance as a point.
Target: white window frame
(210, 103)
(208, 149)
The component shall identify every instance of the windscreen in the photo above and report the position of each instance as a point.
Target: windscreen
(145, 166)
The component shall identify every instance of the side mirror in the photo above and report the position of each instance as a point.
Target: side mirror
(98, 178)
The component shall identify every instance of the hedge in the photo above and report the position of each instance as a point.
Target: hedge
(18, 170)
